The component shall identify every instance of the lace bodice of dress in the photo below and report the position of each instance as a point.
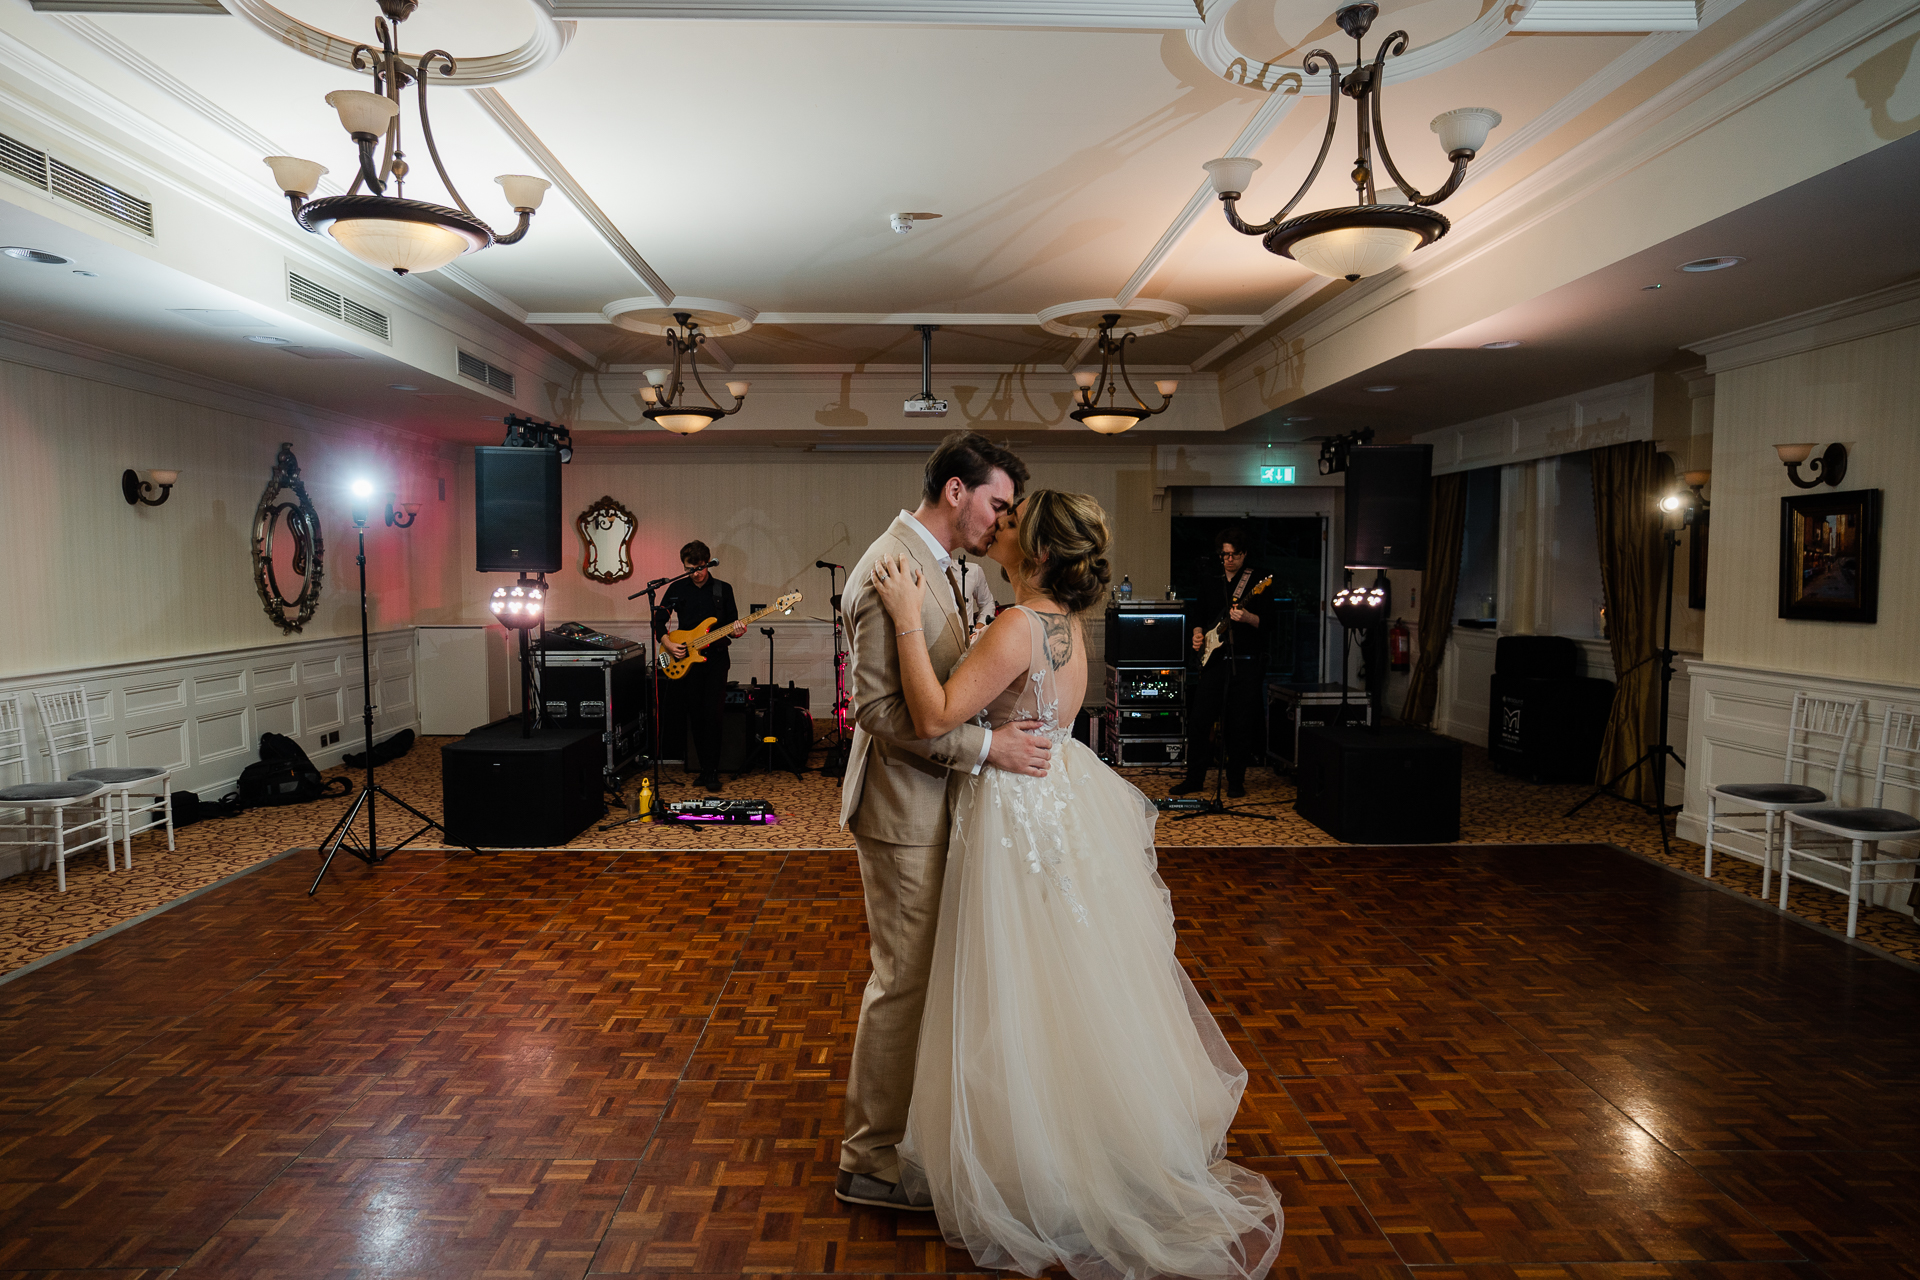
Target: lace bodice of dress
(1036, 696)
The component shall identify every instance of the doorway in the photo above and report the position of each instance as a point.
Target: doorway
(1293, 550)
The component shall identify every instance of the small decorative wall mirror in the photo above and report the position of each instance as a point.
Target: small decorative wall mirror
(606, 528)
(288, 554)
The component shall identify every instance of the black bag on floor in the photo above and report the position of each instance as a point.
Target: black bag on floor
(392, 749)
(284, 775)
(189, 808)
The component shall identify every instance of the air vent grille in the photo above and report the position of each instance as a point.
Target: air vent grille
(101, 197)
(324, 300)
(480, 371)
(38, 169)
(23, 162)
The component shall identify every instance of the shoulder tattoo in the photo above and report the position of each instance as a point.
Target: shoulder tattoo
(1059, 638)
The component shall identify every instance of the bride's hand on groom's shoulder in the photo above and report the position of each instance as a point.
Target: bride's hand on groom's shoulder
(900, 587)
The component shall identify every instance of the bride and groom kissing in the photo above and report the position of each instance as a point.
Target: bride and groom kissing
(1032, 1063)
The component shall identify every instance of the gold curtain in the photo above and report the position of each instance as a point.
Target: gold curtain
(1446, 523)
(1626, 491)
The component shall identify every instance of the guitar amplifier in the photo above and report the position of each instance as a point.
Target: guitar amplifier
(1146, 633)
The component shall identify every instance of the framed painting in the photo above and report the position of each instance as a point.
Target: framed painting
(1830, 556)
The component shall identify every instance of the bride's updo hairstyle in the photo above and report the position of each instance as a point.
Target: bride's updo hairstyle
(1063, 544)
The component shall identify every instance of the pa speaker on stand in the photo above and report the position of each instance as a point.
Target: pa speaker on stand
(516, 501)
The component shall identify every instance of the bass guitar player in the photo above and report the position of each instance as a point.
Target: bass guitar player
(701, 694)
(1236, 606)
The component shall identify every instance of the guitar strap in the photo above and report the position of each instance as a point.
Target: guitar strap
(1239, 586)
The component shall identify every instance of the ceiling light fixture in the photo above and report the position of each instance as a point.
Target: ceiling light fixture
(1111, 419)
(40, 256)
(1385, 386)
(665, 392)
(1699, 265)
(89, 274)
(390, 231)
(1367, 237)
(401, 386)
(1505, 344)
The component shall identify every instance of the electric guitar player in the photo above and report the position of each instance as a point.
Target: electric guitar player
(1225, 691)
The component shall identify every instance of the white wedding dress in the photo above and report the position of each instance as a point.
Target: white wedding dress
(1072, 1093)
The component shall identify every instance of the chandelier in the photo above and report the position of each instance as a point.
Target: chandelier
(666, 395)
(390, 231)
(1111, 419)
(1367, 237)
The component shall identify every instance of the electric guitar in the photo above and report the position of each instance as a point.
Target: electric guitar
(1217, 636)
(700, 637)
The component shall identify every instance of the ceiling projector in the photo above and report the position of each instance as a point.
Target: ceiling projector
(924, 406)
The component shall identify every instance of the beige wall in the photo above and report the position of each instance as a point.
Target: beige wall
(1865, 394)
(768, 514)
(92, 581)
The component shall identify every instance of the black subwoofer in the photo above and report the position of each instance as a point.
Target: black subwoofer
(503, 791)
(1387, 786)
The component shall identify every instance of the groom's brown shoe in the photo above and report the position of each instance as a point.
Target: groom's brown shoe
(858, 1188)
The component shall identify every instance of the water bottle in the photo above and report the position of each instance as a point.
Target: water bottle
(1126, 587)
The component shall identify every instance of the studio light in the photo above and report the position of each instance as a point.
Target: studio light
(362, 490)
(666, 395)
(531, 433)
(1111, 419)
(390, 231)
(1367, 237)
(522, 605)
(1335, 449)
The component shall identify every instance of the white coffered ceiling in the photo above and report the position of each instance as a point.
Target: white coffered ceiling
(754, 152)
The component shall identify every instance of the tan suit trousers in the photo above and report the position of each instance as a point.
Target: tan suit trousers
(902, 885)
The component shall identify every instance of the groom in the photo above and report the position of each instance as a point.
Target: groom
(895, 793)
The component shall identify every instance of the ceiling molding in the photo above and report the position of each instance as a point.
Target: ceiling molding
(471, 71)
(1590, 419)
(1882, 311)
(529, 142)
(1216, 51)
(507, 306)
(1593, 16)
(981, 320)
(1636, 138)
(1134, 15)
(40, 350)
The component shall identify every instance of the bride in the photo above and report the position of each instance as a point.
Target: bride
(1072, 1093)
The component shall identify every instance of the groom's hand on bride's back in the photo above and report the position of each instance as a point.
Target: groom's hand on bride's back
(1017, 748)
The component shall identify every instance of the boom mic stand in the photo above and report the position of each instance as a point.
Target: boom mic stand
(835, 765)
(342, 836)
(1657, 755)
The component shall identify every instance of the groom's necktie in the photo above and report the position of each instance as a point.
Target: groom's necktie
(959, 597)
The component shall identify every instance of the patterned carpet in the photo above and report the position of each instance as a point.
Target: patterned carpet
(37, 922)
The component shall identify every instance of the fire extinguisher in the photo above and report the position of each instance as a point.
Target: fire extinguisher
(1399, 646)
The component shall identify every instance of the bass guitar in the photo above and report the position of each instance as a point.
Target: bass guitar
(1217, 636)
(701, 636)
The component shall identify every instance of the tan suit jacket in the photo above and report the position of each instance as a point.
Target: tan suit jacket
(896, 784)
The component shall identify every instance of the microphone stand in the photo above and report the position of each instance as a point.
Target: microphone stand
(660, 814)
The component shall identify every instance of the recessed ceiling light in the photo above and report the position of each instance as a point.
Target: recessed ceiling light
(1385, 386)
(401, 386)
(1649, 288)
(1710, 264)
(1505, 344)
(88, 274)
(269, 339)
(34, 255)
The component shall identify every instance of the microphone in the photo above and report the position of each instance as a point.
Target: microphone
(827, 564)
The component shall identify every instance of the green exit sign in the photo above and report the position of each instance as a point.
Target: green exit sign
(1277, 475)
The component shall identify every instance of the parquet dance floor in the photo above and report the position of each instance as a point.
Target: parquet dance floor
(1491, 1063)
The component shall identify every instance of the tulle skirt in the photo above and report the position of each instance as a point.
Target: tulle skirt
(1072, 1093)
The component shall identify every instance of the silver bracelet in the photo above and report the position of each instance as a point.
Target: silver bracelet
(908, 633)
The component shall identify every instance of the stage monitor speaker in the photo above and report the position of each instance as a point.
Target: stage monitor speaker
(1387, 495)
(516, 502)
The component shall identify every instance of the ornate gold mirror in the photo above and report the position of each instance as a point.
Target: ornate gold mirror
(606, 528)
(288, 554)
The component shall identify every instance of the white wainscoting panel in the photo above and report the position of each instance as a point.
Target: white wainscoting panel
(202, 716)
(1739, 734)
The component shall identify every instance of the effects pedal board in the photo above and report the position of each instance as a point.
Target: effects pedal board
(715, 809)
(1180, 804)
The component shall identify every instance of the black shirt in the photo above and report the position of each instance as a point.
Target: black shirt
(689, 606)
(1249, 641)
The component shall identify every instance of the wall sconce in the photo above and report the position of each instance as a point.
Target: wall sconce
(403, 518)
(159, 481)
(1829, 468)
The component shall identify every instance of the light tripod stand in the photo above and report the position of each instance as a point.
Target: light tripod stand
(1657, 755)
(343, 836)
